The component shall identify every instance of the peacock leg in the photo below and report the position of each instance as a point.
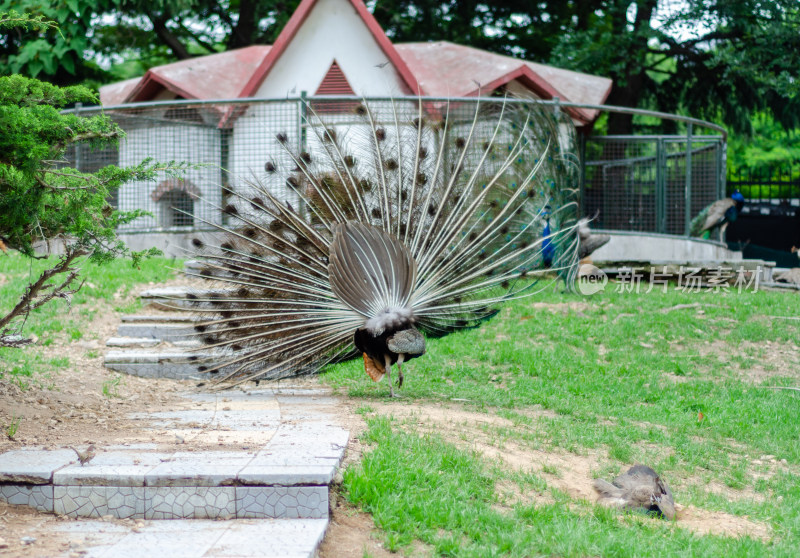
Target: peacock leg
(388, 362)
(399, 371)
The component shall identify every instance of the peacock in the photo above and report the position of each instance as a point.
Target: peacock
(377, 228)
(589, 242)
(717, 216)
(639, 488)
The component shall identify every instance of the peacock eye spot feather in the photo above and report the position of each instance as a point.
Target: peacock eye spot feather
(423, 152)
(360, 110)
(391, 164)
(269, 166)
(349, 161)
(257, 203)
(305, 156)
(242, 292)
(282, 138)
(191, 296)
(421, 178)
(380, 134)
(505, 284)
(376, 212)
(202, 368)
(230, 209)
(200, 328)
(292, 182)
(329, 136)
(460, 142)
(197, 243)
(226, 247)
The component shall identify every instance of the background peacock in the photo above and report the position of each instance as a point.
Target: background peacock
(398, 221)
(717, 216)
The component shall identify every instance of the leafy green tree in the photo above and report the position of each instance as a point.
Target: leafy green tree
(719, 59)
(43, 200)
(48, 40)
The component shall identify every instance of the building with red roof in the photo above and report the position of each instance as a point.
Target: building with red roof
(328, 39)
(328, 47)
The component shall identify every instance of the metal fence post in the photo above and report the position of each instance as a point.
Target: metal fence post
(661, 186)
(687, 193)
(582, 183)
(78, 146)
(722, 160)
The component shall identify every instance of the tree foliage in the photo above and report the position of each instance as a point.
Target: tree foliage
(43, 199)
(49, 40)
(719, 59)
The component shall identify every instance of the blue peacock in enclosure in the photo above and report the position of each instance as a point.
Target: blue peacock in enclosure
(715, 217)
(394, 222)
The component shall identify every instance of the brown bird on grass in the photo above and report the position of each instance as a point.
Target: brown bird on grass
(85, 456)
(640, 488)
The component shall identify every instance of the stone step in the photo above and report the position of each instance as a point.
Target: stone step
(161, 318)
(295, 453)
(170, 332)
(132, 342)
(266, 538)
(170, 298)
(175, 364)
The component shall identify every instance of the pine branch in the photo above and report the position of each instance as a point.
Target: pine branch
(37, 295)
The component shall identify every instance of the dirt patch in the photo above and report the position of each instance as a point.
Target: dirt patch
(352, 534)
(704, 522)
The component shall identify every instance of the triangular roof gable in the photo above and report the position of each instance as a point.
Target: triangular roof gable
(296, 22)
(537, 84)
(446, 69)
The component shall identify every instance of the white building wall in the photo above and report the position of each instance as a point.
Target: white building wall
(183, 143)
(332, 31)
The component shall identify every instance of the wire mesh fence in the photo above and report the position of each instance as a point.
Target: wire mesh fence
(651, 183)
(629, 183)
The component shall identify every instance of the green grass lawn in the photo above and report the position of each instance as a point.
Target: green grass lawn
(615, 378)
(107, 288)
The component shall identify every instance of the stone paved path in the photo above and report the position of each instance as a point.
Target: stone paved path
(273, 492)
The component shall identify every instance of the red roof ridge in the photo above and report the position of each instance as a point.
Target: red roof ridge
(296, 21)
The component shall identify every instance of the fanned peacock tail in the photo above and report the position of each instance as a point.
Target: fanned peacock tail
(462, 186)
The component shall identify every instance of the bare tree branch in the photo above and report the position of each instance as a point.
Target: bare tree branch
(39, 293)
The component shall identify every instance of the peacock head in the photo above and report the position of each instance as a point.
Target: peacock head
(737, 196)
